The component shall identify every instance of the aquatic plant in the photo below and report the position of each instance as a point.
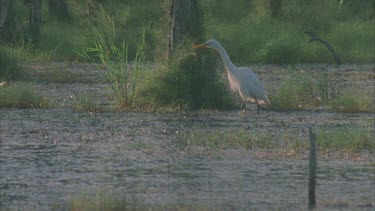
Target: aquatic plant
(122, 75)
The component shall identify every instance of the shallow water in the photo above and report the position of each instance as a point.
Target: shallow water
(49, 157)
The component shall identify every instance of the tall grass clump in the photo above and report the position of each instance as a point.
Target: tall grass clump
(189, 80)
(346, 140)
(122, 75)
(21, 97)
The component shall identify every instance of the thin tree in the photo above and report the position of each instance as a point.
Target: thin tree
(35, 19)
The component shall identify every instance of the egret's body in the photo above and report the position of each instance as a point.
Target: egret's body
(241, 80)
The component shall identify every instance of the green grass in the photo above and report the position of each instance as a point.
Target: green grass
(353, 102)
(298, 91)
(302, 90)
(336, 141)
(21, 97)
(200, 140)
(86, 103)
(346, 140)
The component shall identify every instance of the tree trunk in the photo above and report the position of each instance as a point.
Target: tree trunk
(186, 23)
(275, 7)
(5, 6)
(35, 19)
(59, 8)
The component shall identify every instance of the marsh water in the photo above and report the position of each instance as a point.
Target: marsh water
(49, 158)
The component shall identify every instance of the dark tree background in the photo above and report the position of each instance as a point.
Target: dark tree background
(35, 19)
(59, 9)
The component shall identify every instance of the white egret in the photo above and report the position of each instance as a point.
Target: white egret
(242, 80)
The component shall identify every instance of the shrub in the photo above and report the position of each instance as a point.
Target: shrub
(189, 80)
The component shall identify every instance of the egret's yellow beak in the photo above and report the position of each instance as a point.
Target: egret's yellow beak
(199, 46)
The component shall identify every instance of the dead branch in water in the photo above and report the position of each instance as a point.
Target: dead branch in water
(314, 37)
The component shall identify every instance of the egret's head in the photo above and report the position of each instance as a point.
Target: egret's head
(209, 44)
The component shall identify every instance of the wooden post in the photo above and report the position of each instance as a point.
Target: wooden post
(312, 169)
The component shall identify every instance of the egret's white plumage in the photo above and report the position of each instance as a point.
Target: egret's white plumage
(241, 80)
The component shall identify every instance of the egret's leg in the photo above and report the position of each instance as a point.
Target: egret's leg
(244, 107)
(257, 105)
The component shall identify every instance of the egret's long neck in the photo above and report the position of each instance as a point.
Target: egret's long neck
(225, 58)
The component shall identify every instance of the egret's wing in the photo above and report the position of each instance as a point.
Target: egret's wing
(252, 86)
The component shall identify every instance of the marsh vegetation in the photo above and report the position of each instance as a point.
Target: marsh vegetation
(102, 114)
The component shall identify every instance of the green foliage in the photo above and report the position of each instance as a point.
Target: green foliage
(245, 28)
(123, 77)
(21, 97)
(250, 34)
(62, 41)
(353, 41)
(190, 80)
